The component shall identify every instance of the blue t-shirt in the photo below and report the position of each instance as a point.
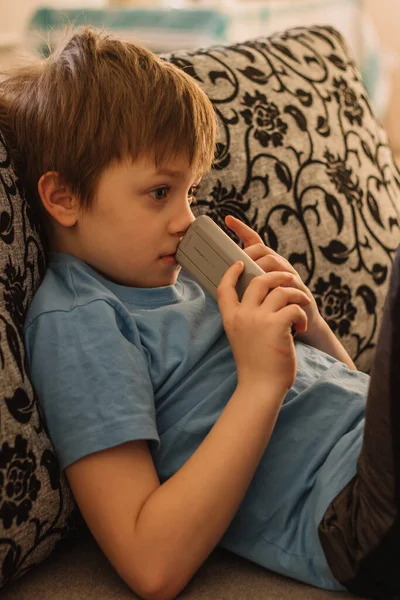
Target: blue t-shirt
(112, 364)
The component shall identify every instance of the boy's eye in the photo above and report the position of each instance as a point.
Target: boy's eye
(160, 193)
(192, 194)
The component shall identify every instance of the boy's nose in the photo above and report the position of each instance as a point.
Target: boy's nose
(183, 219)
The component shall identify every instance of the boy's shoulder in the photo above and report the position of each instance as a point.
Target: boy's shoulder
(68, 283)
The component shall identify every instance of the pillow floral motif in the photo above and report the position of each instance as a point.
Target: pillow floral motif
(302, 159)
(36, 507)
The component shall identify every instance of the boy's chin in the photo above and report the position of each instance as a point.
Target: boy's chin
(171, 277)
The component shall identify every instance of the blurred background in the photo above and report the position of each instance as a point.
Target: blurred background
(369, 26)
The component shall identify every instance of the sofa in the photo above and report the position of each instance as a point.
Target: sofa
(302, 159)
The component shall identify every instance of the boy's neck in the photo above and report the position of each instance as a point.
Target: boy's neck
(63, 246)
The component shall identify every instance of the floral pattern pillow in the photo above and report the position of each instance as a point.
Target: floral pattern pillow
(301, 158)
(36, 506)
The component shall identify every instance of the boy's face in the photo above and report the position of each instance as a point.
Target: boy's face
(139, 215)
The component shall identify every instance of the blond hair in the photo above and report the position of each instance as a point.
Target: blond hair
(96, 100)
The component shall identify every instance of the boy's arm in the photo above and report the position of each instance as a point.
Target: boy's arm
(157, 536)
(323, 338)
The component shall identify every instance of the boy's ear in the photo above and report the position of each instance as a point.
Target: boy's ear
(57, 199)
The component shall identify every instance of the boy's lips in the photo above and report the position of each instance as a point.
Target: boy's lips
(169, 258)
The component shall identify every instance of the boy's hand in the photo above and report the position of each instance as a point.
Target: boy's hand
(258, 327)
(269, 260)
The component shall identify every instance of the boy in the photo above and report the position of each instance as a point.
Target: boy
(180, 424)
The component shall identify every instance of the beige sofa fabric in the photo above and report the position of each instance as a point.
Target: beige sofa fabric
(79, 571)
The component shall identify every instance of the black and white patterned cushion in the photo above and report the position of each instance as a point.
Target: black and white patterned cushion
(300, 158)
(36, 506)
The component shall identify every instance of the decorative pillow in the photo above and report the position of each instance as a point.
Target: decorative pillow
(301, 158)
(35, 503)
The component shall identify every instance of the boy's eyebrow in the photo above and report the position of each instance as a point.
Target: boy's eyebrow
(169, 172)
(173, 173)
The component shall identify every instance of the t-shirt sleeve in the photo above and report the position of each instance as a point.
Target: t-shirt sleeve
(92, 382)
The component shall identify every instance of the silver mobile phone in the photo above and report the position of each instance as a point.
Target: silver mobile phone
(206, 252)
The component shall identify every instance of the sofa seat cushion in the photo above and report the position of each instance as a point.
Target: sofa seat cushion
(78, 570)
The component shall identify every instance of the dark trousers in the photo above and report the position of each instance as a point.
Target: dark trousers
(360, 531)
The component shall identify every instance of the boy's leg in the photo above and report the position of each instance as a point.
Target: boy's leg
(360, 531)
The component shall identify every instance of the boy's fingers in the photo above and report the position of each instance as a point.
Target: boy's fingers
(293, 314)
(226, 292)
(258, 250)
(260, 286)
(283, 296)
(243, 231)
(254, 246)
(253, 243)
(272, 262)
